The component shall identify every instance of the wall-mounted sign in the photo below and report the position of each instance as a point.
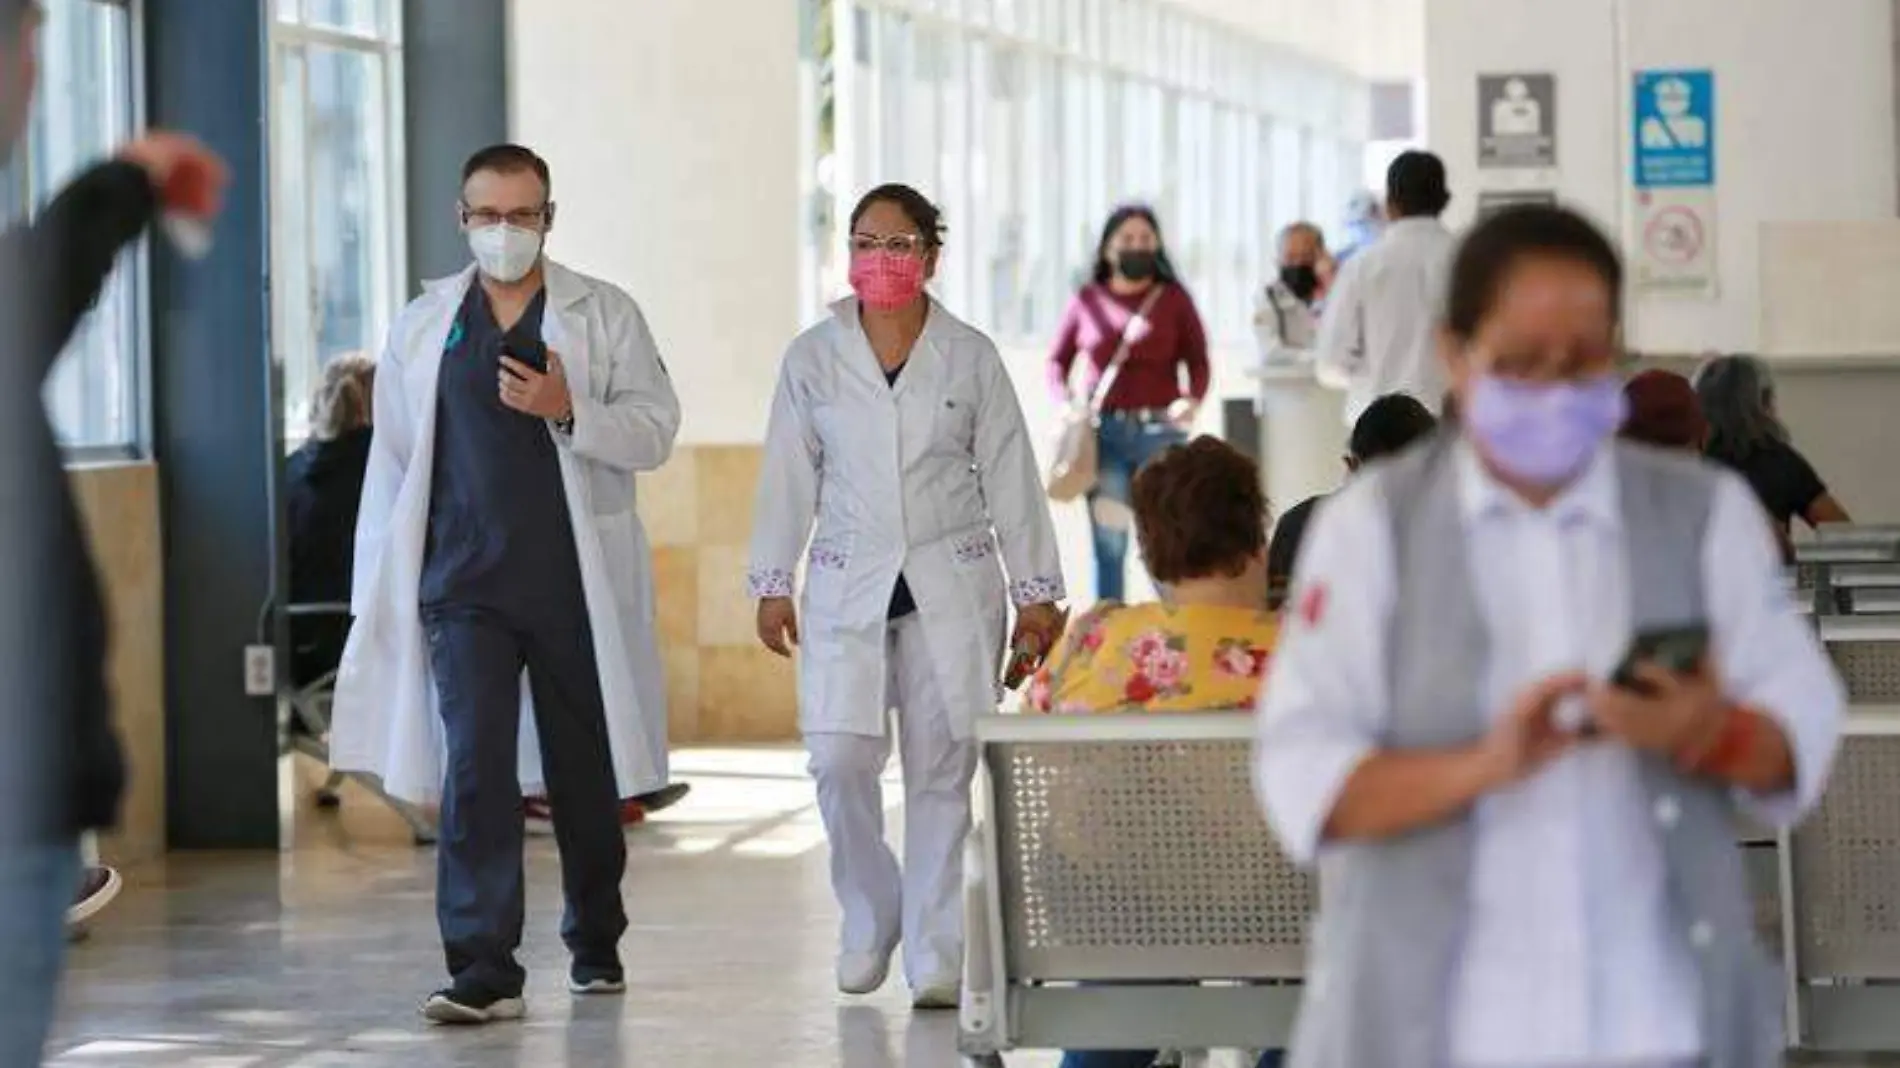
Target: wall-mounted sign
(1676, 241)
(1672, 171)
(1517, 121)
(1674, 132)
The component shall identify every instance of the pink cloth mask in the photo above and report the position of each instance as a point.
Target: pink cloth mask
(887, 281)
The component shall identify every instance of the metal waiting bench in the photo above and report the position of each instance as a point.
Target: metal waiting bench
(1858, 532)
(1867, 589)
(1840, 870)
(1816, 562)
(310, 710)
(1842, 567)
(1881, 550)
(1125, 892)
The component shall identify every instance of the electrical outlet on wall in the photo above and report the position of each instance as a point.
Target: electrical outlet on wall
(260, 671)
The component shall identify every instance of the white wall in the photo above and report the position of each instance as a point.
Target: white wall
(1805, 116)
(1805, 119)
(672, 130)
(1573, 39)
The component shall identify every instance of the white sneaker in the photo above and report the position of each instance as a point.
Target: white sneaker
(945, 994)
(447, 1008)
(98, 887)
(863, 973)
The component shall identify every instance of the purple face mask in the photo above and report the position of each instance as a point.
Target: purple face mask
(1544, 433)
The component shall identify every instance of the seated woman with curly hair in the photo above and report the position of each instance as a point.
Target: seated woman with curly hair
(1201, 519)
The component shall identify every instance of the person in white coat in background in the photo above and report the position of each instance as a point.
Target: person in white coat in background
(1378, 334)
(897, 449)
(497, 543)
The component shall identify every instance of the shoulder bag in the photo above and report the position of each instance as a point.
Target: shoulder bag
(1073, 457)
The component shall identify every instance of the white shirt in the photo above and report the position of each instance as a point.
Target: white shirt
(1379, 333)
(1570, 957)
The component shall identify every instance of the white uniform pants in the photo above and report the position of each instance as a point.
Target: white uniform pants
(920, 906)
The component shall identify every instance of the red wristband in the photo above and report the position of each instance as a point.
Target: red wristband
(1732, 748)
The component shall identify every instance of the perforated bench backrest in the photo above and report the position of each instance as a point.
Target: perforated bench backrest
(1141, 860)
(1847, 866)
(1871, 670)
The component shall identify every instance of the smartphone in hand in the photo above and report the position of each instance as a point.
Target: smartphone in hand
(1678, 650)
(533, 354)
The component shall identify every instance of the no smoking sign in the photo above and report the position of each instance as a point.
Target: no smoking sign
(1674, 236)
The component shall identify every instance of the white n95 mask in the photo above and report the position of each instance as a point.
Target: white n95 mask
(505, 253)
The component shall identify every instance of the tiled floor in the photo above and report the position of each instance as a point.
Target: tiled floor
(317, 959)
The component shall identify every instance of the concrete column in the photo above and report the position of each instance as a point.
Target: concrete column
(215, 434)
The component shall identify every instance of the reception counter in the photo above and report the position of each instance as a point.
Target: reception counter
(1301, 434)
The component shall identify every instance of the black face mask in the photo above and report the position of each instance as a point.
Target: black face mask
(1138, 266)
(1300, 279)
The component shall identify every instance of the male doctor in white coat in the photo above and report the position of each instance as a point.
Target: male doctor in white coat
(497, 539)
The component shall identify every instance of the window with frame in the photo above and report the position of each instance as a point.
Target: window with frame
(86, 106)
(1027, 121)
(337, 226)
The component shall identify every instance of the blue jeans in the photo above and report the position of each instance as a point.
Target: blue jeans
(1123, 444)
(36, 886)
(1130, 1058)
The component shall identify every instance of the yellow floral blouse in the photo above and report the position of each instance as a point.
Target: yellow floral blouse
(1157, 658)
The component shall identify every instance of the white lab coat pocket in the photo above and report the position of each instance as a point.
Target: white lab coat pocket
(979, 571)
(828, 575)
(619, 554)
(970, 551)
(971, 636)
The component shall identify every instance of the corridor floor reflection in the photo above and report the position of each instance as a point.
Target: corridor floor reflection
(317, 958)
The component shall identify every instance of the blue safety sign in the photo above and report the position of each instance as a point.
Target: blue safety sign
(1674, 113)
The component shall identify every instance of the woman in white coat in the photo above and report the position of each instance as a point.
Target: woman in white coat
(896, 449)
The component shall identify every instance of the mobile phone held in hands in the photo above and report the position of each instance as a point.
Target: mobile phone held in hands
(534, 354)
(1678, 650)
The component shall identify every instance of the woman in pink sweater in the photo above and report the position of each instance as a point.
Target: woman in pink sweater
(1135, 298)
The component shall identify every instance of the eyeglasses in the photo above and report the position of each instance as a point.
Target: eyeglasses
(522, 219)
(895, 244)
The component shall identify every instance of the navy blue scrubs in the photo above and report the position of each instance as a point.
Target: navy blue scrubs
(501, 592)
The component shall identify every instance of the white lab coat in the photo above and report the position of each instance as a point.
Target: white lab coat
(929, 479)
(625, 419)
(1379, 332)
(1284, 327)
